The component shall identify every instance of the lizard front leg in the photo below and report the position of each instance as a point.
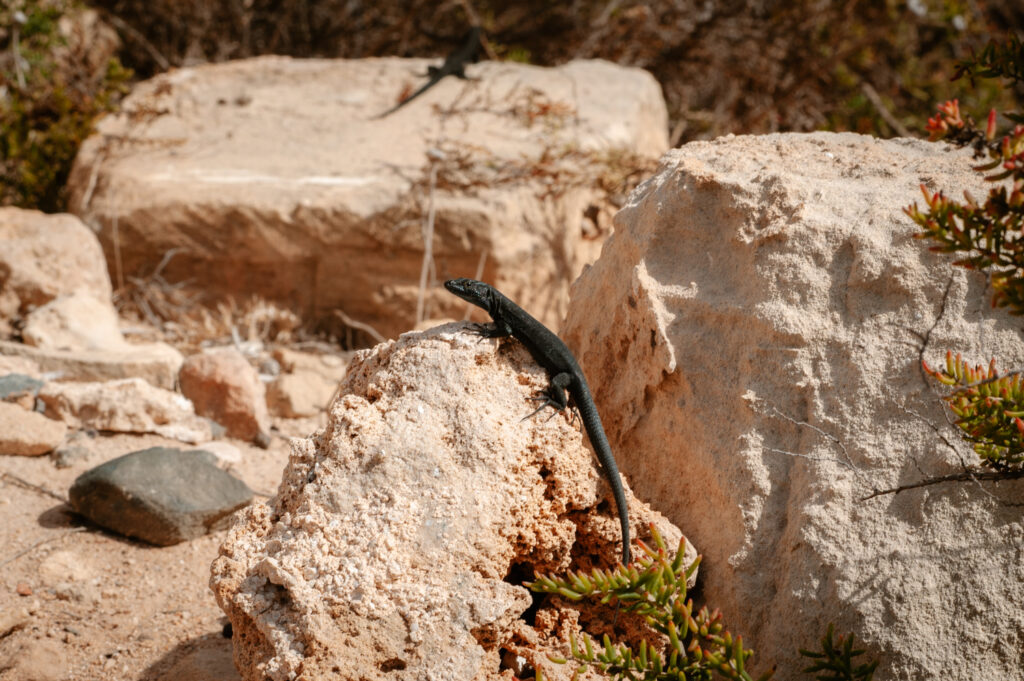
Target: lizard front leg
(491, 330)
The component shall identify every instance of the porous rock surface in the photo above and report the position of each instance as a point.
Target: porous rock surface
(384, 553)
(752, 333)
(277, 177)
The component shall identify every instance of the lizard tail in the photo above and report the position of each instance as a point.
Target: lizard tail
(598, 440)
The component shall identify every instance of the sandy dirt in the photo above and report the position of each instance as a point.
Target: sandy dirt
(78, 602)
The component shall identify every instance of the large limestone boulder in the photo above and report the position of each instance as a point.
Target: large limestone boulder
(277, 177)
(753, 334)
(386, 551)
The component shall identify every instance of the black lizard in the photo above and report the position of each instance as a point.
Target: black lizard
(551, 353)
(454, 65)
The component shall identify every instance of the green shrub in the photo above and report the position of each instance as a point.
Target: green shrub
(48, 102)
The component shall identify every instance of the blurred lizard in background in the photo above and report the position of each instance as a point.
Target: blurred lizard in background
(454, 65)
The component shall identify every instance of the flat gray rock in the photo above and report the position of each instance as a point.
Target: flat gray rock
(13, 385)
(160, 495)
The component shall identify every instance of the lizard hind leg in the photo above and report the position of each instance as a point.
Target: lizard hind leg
(554, 396)
(545, 401)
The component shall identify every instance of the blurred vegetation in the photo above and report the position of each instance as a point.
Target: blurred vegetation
(743, 66)
(56, 76)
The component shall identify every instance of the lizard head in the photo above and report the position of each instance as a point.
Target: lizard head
(472, 291)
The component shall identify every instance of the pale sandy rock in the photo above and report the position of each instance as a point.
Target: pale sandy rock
(225, 452)
(34, 658)
(75, 321)
(752, 335)
(65, 566)
(332, 367)
(27, 433)
(307, 383)
(224, 387)
(286, 203)
(302, 393)
(12, 621)
(69, 576)
(384, 553)
(44, 256)
(10, 364)
(128, 405)
(156, 363)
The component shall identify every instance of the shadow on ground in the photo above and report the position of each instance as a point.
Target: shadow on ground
(204, 658)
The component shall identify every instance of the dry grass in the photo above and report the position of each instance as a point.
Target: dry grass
(173, 313)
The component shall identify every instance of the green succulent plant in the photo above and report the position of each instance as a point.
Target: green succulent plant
(835, 661)
(693, 643)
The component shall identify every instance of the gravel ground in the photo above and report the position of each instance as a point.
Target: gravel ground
(78, 602)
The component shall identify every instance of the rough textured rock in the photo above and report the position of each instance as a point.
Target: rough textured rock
(44, 256)
(384, 553)
(161, 496)
(156, 363)
(752, 332)
(224, 387)
(27, 433)
(75, 321)
(283, 202)
(127, 406)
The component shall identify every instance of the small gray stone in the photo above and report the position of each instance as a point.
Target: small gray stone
(76, 448)
(69, 454)
(13, 385)
(159, 495)
(270, 367)
(217, 431)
